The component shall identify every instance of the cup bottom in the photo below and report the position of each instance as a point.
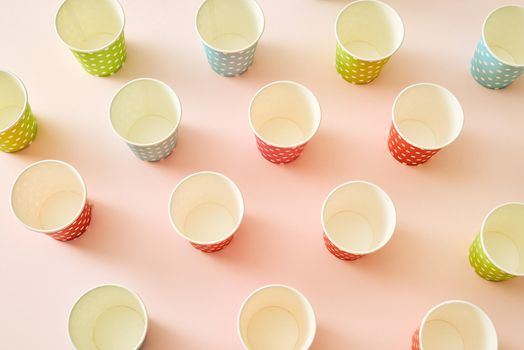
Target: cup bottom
(119, 327)
(273, 328)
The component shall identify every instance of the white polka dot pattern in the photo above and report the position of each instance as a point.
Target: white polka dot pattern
(483, 266)
(77, 228)
(230, 64)
(406, 153)
(21, 134)
(357, 71)
(279, 155)
(156, 152)
(489, 72)
(104, 62)
(339, 253)
(415, 341)
(211, 248)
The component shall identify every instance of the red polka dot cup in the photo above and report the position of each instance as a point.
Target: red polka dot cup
(206, 208)
(358, 218)
(50, 197)
(284, 116)
(455, 325)
(426, 118)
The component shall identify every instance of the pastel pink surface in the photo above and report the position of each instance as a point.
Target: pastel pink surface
(193, 298)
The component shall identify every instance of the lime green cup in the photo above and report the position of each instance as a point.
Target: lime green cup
(17, 123)
(497, 253)
(94, 31)
(368, 33)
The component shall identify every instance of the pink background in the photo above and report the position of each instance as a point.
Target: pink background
(375, 303)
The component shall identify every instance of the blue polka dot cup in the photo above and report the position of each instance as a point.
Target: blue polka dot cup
(145, 113)
(499, 57)
(497, 251)
(230, 31)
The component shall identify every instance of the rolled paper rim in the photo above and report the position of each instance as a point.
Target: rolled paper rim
(75, 217)
(26, 102)
(357, 56)
(438, 147)
(98, 49)
(483, 38)
(235, 50)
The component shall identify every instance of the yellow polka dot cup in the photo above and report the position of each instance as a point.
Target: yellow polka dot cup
(17, 123)
(368, 33)
(497, 253)
(94, 31)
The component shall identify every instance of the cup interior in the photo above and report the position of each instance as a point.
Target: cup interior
(369, 30)
(206, 208)
(108, 318)
(503, 237)
(457, 326)
(230, 25)
(86, 25)
(358, 217)
(285, 114)
(48, 196)
(145, 112)
(277, 318)
(428, 116)
(504, 34)
(13, 100)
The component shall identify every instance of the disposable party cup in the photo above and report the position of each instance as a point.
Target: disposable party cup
(206, 209)
(368, 33)
(94, 31)
(17, 123)
(276, 317)
(145, 113)
(108, 317)
(455, 325)
(499, 57)
(497, 253)
(426, 118)
(230, 30)
(284, 116)
(358, 218)
(50, 197)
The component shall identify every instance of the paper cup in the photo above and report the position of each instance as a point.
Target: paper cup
(455, 325)
(358, 218)
(108, 317)
(145, 113)
(94, 31)
(276, 317)
(17, 123)
(497, 251)
(284, 116)
(368, 33)
(206, 209)
(50, 197)
(426, 118)
(230, 30)
(499, 57)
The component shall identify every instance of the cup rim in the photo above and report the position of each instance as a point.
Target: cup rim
(483, 243)
(134, 294)
(440, 146)
(380, 190)
(296, 144)
(120, 32)
(383, 57)
(484, 35)
(175, 128)
(24, 90)
(75, 217)
(277, 285)
(454, 301)
(223, 177)
(235, 50)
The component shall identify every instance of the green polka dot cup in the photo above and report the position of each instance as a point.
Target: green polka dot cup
(497, 253)
(145, 113)
(230, 31)
(17, 123)
(94, 31)
(368, 33)
(499, 56)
